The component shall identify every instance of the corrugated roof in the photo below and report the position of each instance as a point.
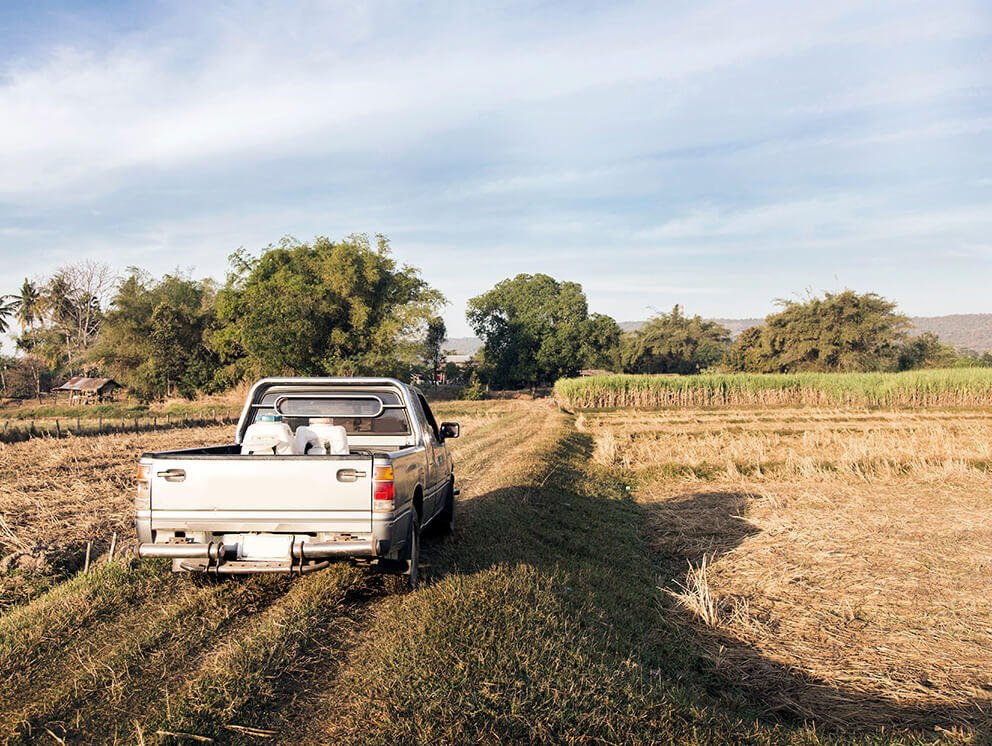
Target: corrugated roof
(82, 383)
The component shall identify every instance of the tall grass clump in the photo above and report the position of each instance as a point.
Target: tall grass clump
(915, 388)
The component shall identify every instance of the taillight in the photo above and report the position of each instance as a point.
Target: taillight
(142, 500)
(383, 489)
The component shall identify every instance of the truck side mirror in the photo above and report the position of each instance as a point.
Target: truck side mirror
(449, 430)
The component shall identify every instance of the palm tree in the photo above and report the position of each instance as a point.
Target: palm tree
(7, 307)
(28, 305)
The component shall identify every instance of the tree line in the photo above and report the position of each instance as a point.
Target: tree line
(347, 308)
(536, 330)
(317, 309)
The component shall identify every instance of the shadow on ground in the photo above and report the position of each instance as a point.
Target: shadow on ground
(581, 522)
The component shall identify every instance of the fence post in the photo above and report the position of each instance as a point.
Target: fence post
(31, 429)
(58, 429)
(99, 427)
(136, 426)
(77, 423)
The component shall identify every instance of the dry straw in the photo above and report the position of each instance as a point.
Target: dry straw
(840, 560)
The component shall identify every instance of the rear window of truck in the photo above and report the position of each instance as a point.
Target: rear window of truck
(378, 413)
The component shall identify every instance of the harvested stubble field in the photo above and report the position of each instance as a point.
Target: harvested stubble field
(840, 560)
(547, 617)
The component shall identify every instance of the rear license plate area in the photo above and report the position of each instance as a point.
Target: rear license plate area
(264, 547)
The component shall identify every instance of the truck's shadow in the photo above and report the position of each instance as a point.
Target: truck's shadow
(564, 525)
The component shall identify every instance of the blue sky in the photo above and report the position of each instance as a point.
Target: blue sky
(714, 154)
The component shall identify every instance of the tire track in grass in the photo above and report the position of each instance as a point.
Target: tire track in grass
(491, 456)
(85, 614)
(236, 681)
(472, 454)
(103, 691)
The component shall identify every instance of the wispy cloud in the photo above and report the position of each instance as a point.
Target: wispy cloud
(531, 137)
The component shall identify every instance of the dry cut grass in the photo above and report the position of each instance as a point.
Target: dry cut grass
(815, 444)
(839, 561)
(59, 490)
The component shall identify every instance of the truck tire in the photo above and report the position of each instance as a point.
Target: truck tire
(412, 571)
(444, 524)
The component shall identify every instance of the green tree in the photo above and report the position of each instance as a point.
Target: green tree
(174, 337)
(533, 328)
(747, 353)
(839, 332)
(926, 351)
(323, 308)
(674, 343)
(68, 307)
(155, 337)
(601, 343)
(28, 306)
(432, 351)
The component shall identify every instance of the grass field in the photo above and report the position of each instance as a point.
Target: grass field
(954, 387)
(563, 609)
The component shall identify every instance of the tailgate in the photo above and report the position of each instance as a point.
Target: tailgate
(263, 493)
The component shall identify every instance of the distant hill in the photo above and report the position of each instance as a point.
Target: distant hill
(461, 345)
(736, 326)
(971, 331)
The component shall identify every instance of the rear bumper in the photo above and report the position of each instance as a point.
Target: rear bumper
(305, 556)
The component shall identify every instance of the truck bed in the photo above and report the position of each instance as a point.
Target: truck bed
(217, 489)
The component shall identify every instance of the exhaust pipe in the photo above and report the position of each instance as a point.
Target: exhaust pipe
(212, 551)
(319, 550)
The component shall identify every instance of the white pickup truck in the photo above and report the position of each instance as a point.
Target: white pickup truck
(275, 505)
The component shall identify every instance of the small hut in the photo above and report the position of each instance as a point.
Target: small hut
(88, 390)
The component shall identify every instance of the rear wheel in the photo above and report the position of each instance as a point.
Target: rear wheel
(413, 552)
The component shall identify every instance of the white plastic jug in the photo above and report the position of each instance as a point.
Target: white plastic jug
(330, 439)
(308, 442)
(270, 435)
